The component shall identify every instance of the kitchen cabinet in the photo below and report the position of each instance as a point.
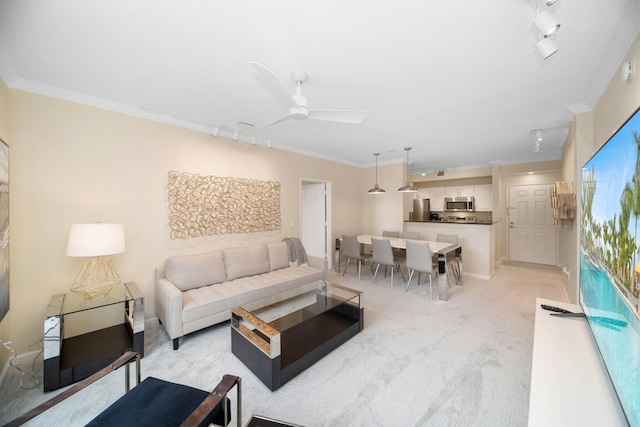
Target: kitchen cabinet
(466, 190)
(436, 197)
(482, 194)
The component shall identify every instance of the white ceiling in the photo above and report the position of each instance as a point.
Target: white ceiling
(459, 80)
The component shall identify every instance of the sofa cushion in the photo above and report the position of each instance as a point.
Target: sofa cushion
(193, 271)
(241, 262)
(278, 255)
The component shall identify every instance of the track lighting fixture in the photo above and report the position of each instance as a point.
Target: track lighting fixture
(236, 134)
(408, 186)
(269, 143)
(546, 24)
(376, 189)
(538, 133)
(254, 139)
(537, 139)
(216, 131)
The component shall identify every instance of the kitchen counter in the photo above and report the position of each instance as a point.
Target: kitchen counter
(477, 239)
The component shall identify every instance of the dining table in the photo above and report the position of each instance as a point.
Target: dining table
(449, 259)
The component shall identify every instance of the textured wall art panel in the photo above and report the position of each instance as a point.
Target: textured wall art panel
(208, 205)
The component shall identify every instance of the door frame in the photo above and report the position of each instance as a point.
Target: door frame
(508, 221)
(329, 246)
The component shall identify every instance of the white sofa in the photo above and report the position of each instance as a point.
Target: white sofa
(197, 291)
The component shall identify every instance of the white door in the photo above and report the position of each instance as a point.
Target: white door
(314, 219)
(532, 235)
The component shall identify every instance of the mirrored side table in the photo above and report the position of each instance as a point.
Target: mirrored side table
(69, 360)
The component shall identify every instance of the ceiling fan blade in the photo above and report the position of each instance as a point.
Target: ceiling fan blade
(275, 122)
(274, 87)
(342, 116)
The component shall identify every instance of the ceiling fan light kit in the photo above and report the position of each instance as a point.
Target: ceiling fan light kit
(297, 104)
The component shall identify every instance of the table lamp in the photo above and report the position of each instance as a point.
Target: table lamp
(98, 275)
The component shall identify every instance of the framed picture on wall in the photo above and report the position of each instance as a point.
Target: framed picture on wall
(4, 229)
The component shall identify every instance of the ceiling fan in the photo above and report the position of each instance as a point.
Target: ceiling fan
(297, 103)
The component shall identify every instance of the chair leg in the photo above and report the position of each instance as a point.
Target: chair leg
(392, 268)
(375, 274)
(346, 266)
(430, 286)
(410, 276)
(402, 272)
(359, 268)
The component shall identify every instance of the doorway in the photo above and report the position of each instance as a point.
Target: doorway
(315, 219)
(532, 236)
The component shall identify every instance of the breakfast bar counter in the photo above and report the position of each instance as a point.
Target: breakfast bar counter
(477, 239)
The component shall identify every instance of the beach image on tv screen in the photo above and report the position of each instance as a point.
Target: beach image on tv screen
(610, 259)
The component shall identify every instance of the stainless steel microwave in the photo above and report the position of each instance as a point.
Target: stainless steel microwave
(459, 204)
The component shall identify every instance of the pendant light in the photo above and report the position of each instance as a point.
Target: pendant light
(376, 189)
(408, 187)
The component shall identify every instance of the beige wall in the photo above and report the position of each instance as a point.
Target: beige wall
(73, 164)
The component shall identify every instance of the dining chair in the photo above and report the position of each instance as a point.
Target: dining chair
(351, 249)
(414, 235)
(383, 255)
(419, 259)
(453, 261)
(387, 233)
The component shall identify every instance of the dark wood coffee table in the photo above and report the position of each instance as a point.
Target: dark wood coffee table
(280, 336)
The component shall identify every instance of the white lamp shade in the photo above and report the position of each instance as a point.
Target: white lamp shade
(546, 48)
(86, 240)
(546, 23)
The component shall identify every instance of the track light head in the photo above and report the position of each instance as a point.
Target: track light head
(216, 131)
(538, 133)
(546, 48)
(546, 24)
(236, 135)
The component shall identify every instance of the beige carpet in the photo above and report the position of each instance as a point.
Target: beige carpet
(418, 362)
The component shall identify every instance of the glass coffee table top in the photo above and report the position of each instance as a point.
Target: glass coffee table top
(289, 309)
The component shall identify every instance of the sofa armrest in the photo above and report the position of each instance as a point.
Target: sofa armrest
(169, 307)
(319, 263)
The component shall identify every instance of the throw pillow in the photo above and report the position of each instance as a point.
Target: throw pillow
(194, 271)
(242, 262)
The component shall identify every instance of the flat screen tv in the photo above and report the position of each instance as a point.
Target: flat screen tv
(610, 259)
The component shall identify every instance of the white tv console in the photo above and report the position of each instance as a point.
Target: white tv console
(569, 382)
